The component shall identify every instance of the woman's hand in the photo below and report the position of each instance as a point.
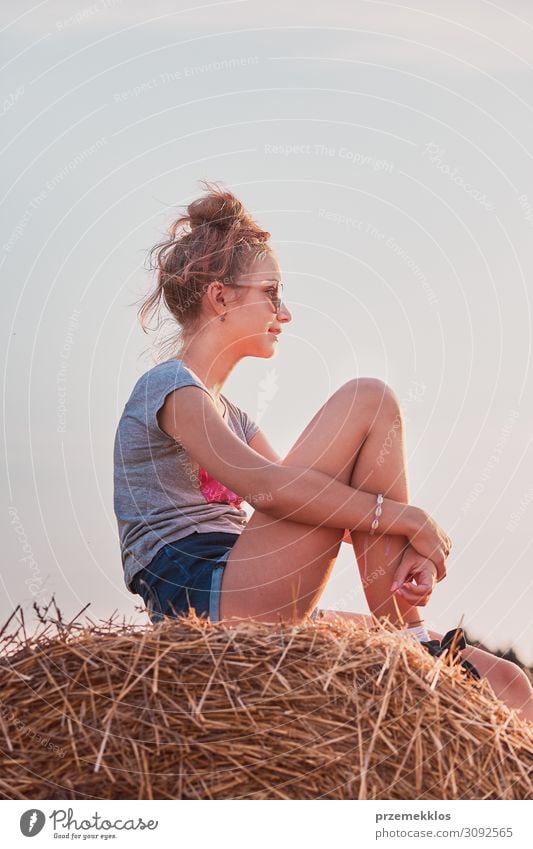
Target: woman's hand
(414, 578)
(430, 541)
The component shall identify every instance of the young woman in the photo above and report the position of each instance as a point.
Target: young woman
(185, 457)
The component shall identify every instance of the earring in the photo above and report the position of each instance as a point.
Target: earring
(222, 317)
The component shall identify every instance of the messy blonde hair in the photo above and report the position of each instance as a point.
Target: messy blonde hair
(216, 239)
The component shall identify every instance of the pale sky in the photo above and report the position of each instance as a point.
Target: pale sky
(388, 151)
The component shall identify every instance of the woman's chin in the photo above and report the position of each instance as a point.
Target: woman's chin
(266, 351)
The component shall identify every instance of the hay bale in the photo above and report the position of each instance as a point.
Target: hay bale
(190, 710)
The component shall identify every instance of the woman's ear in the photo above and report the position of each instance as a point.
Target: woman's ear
(216, 293)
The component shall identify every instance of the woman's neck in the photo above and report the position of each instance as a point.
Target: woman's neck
(210, 358)
(212, 375)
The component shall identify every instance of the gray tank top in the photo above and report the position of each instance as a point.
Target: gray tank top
(160, 493)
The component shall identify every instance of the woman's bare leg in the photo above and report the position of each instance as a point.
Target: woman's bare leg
(381, 466)
(277, 569)
(509, 682)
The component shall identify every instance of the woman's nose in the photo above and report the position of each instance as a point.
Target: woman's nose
(284, 313)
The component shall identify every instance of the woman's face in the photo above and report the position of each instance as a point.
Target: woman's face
(254, 314)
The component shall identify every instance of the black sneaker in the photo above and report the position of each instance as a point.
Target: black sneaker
(452, 641)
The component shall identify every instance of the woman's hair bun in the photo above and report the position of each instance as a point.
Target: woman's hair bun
(218, 208)
(215, 239)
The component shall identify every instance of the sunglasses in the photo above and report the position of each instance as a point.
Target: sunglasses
(275, 293)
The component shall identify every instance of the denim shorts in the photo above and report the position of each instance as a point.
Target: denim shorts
(187, 574)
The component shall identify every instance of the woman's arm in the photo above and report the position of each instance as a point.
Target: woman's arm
(415, 576)
(298, 494)
(260, 443)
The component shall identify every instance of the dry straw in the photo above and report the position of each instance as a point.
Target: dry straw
(190, 710)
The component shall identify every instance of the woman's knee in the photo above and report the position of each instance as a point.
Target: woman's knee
(513, 677)
(373, 391)
(377, 403)
(506, 677)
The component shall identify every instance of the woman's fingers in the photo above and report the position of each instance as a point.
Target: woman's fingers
(414, 599)
(413, 592)
(420, 592)
(436, 554)
(440, 563)
(402, 572)
(434, 544)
